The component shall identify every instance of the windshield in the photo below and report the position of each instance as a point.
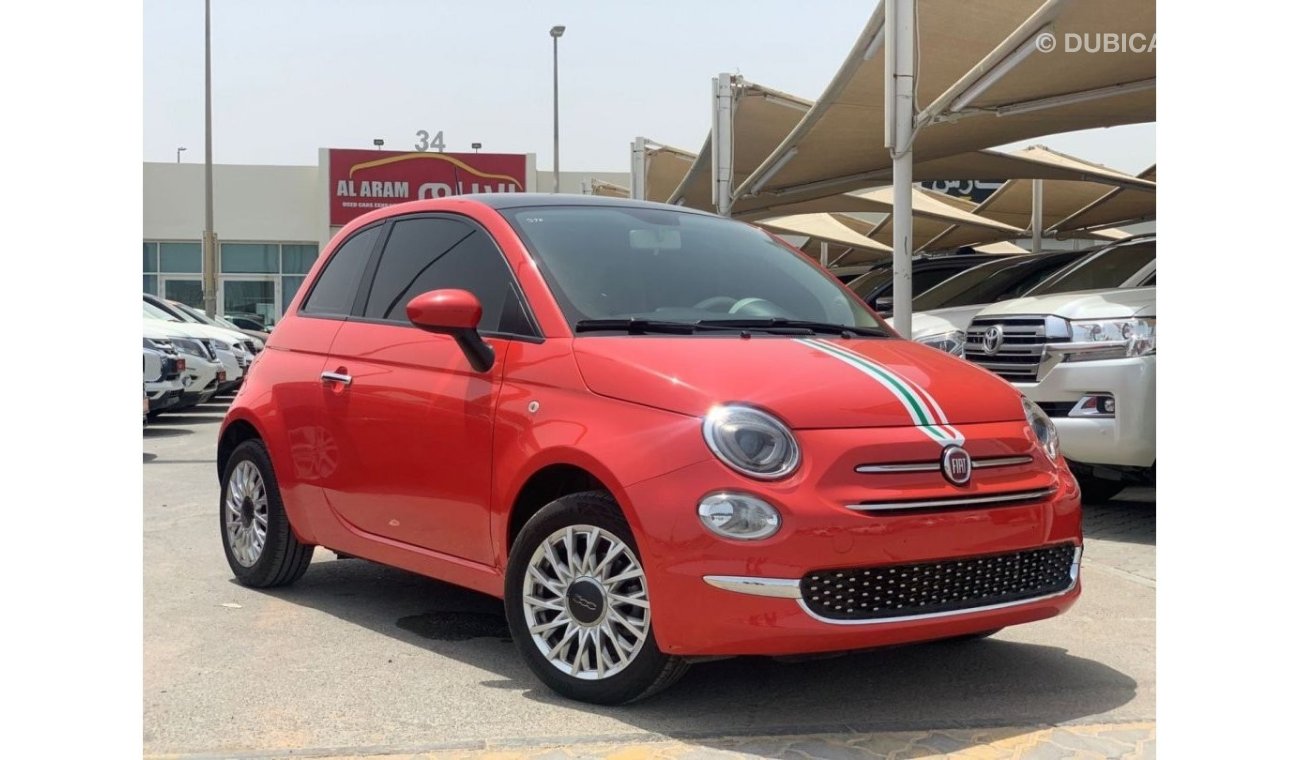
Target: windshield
(153, 312)
(620, 263)
(994, 281)
(194, 316)
(868, 283)
(1106, 269)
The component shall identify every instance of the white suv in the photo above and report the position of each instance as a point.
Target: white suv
(1089, 360)
(227, 346)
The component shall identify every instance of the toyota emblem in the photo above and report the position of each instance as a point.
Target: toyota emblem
(956, 465)
(993, 339)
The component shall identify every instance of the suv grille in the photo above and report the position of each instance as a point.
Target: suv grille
(1021, 350)
(926, 588)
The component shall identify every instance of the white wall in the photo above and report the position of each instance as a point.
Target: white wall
(250, 203)
(571, 182)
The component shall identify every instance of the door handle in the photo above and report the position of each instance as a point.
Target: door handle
(336, 377)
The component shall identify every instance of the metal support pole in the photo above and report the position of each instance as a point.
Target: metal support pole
(555, 75)
(638, 168)
(1036, 216)
(723, 170)
(826, 254)
(899, 124)
(209, 234)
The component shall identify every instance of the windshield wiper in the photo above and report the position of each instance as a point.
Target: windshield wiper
(781, 323)
(635, 326)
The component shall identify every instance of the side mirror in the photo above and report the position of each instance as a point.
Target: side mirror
(455, 313)
(884, 304)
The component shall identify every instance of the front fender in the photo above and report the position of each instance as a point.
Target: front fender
(546, 416)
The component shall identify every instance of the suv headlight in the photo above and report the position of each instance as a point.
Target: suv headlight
(1043, 427)
(751, 442)
(953, 341)
(189, 346)
(1110, 339)
(220, 345)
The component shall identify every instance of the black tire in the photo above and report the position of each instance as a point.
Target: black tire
(1096, 490)
(283, 558)
(650, 669)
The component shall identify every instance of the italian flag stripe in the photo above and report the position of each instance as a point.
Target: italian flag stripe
(924, 411)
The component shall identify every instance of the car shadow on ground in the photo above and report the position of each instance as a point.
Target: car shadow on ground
(1129, 517)
(154, 431)
(973, 684)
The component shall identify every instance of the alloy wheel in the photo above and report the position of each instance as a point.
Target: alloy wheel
(586, 603)
(246, 513)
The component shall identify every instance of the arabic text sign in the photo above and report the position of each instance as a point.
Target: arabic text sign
(364, 180)
(977, 190)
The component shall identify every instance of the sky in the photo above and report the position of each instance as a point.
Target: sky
(292, 76)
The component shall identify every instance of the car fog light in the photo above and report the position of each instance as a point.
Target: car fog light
(738, 515)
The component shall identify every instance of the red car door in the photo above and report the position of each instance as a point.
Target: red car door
(411, 419)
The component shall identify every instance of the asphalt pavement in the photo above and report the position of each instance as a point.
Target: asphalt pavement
(362, 660)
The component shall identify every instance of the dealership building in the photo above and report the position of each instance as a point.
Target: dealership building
(272, 221)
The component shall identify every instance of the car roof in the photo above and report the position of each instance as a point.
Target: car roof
(521, 200)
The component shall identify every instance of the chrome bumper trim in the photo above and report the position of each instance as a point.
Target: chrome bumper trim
(958, 501)
(784, 588)
(787, 588)
(868, 469)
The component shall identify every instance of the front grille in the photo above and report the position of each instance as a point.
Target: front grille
(927, 588)
(1021, 352)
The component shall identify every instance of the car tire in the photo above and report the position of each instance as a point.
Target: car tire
(1096, 490)
(259, 543)
(591, 608)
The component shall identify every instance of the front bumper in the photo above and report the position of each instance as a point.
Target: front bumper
(1129, 438)
(742, 598)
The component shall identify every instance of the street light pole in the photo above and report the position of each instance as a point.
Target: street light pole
(178, 154)
(556, 33)
(209, 236)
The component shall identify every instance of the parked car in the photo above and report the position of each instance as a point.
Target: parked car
(658, 434)
(253, 340)
(876, 287)
(250, 341)
(203, 372)
(942, 313)
(1088, 358)
(247, 322)
(225, 347)
(163, 372)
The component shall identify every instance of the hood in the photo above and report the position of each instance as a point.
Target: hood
(820, 382)
(1086, 304)
(195, 330)
(938, 321)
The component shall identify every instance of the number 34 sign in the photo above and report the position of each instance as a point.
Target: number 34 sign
(424, 143)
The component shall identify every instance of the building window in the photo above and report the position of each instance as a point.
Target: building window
(186, 258)
(151, 284)
(297, 259)
(151, 257)
(250, 258)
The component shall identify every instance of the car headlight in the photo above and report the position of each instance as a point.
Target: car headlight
(1043, 427)
(1111, 339)
(739, 515)
(189, 346)
(751, 442)
(953, 341)
(220, 345)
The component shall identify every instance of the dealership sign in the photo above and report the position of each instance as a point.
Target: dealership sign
(364, 180)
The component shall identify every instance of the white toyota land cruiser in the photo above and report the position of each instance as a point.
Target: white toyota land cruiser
(1088, 358)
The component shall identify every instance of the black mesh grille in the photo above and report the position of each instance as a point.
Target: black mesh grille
(1057, 408)
(925, 588)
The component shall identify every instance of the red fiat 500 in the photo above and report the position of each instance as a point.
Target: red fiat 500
(657, 434)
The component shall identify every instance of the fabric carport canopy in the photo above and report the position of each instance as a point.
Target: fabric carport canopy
(839, 144)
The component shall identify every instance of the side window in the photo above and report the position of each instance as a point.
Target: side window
(435, 253)
(336, 288)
